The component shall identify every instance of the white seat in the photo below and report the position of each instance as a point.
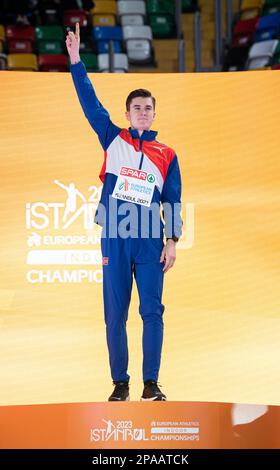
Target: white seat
(263, 48)
(138, 50)
(131, 7)
(138, 43)
(137, 32)
(260, 54)
(135, 20)
(257, 63)
(120, 62)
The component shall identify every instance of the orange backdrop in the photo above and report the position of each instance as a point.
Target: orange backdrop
(222, 305)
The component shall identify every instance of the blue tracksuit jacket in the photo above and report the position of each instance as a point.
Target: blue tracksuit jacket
(139, 252)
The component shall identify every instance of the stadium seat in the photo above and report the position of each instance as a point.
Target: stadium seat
(26, 33)
(162, 18)
(26, 62)
(47, 33)
(132, 20)
(189, 6)
(50, 39)
(268, 28)
(138, 43)
(104, 34)
(50, 47)
(120, 63)
(71, 17)
(103, 20)
(20, 46)
(132, 13)
(104, 13)
(20, 39)
(270, 6)
(163, 26)
(104, 6)
(243, 32)
(90, 61)
(131, 7)
(160, 7)
(261, 53)
(250, 9)
(52, 63)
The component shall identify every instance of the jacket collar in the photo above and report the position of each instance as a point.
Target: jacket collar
(146, 135)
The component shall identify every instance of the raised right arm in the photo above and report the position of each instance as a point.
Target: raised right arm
(96, 114)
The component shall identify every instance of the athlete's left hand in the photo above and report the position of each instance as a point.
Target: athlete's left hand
(168, 255)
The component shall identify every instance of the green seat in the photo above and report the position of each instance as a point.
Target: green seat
(50, 47)
(90, 61)
(269, 9)
(49, 32)
(50, 39)
(163, 26)
(271, 2)
(189, 6)
(276, 55)
(161, 7)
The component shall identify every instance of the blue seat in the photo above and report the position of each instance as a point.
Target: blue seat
(103, 47)
(268, 28)
(103, 34)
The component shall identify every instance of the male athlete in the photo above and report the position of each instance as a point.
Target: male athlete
(139, 175)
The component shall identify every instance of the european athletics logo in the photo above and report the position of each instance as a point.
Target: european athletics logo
(124, 185)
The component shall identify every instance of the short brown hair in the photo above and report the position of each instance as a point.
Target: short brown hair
(142, 93)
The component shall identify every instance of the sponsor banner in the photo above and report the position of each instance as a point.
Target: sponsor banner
(168, 425)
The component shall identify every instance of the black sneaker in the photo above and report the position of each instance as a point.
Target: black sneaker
(152, 392)
(121, 392)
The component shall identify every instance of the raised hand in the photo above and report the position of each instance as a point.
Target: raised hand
(73, 44)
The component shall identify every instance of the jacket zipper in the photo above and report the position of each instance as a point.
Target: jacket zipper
(142, 156)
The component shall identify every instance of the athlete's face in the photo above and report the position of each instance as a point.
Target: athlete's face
(141, 113)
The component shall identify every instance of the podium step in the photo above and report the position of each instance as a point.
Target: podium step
(139, 425)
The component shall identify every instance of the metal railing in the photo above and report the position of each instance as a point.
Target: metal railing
(179, 35)
(111, 57)
(219, 40)
(181, 56)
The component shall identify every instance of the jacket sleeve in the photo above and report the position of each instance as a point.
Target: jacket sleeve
(171, 200)
(96, 114)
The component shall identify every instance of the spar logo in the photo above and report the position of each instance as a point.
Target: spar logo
(117, 431)
(138, 174)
